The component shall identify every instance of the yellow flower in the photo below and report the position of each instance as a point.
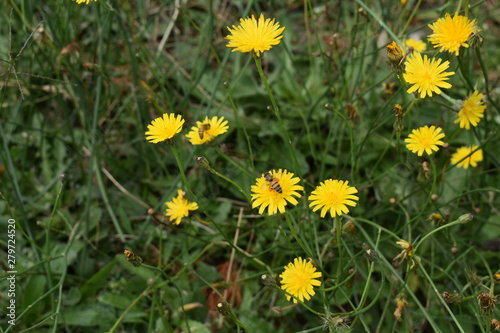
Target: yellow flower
(426, 75)
(333, 195)
(414, 45)
(206, 130)
(424, 139)
(467, 156)
(299, 278)
(451, 33)
(275, 192)
(472, 111)
(179, 207)
(253, 35)
(82, 1)
(164, 128)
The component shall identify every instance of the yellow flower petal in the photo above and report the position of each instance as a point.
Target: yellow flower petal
(424, 139)
(299, 278)
(450, 33)
(179, 207)
(334, 196)
(472, 111)
(426, 75)
(164, 128)
(414, 45)
(467, 156)
(83, 1)
(252, 35)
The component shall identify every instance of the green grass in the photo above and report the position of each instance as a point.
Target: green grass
(80, 84)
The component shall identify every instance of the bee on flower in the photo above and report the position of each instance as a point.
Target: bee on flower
(207, 130)
(274, 189)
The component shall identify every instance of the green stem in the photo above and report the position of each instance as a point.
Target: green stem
(241, 125)
(209, 168)
(465, 75)
(438, 295)
(296, 236)
(410, 19)
(451, 224)
(486, 82)
(238, 322)
(181, 168)
(284, 132)
(338, 233)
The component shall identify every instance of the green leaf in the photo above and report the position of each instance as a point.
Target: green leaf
(115, 300)
(97, 281)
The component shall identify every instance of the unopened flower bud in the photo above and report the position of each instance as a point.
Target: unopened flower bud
(352, 114)
(396, 56)
(451, 298)
(466, 218)
(224, 308)
(476, 38)
(133, 258)
(372, 255)
(203, 162)
(269, 281)
(349, 283)
(398, 123)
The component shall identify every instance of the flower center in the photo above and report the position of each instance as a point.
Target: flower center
(426, 142)
(426, 76)
(333, 197)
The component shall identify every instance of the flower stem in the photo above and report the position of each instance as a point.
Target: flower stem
(463, 70)
(486, 82)
(451, 224)
(212, 170)
(296, 167)
(296, 236)
(181, 169)
(338, 234)
(241, 126)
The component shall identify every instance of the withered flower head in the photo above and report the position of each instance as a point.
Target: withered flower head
(487, 303)
(401, 303)
(453, 298)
